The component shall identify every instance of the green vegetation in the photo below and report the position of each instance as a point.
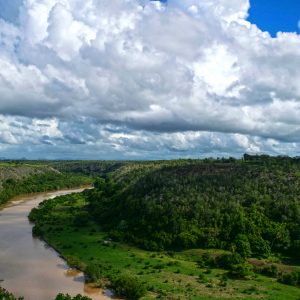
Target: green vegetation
(128, 286)
(184, 229)
(130, 271)
(5, 295)
(250, 206)
(18, 178)
(292, 278)
(41, 183)
(91, 168)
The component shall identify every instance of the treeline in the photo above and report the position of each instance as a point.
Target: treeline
(251, 206)
(40, 183)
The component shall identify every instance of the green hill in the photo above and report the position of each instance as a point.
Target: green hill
(252, 205)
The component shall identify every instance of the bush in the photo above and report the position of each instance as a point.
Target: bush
(206, 260)
(37, 231)
(128, 286)
(292, 278)
(159, 266)
(241, 271)
(271, 270)
(226, 261)
(75, 262)
(93, 272)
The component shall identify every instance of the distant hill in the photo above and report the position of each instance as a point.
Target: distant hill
(23, 177)
(19, 171)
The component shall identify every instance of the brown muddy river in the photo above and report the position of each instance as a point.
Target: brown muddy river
(28, 267)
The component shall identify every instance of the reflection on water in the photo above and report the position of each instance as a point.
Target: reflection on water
(28, 267)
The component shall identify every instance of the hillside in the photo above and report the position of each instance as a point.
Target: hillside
(19, 171)
(91, 168)
(23, 177)
(252, 205)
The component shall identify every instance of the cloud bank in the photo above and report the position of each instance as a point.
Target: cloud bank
(144, 79)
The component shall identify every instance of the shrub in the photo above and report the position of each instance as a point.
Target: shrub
(206, 261)
(226, 261)
(93, 272)
(202, 278)
(37, 231)
(271, 270)
(159, 266)
(128, 286)
(292, 278)
(75, 262)
(241, 271)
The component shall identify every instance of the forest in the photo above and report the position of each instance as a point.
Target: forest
(250, 205)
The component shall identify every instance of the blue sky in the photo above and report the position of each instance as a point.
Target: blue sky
(268, 15)
(275, 15)
(134, 79)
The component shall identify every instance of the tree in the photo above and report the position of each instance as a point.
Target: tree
(242, 245)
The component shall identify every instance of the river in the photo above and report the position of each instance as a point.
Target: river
(30, 268)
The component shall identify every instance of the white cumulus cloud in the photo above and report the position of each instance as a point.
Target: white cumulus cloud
(193, 76)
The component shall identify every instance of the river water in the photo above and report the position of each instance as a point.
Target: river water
(30, 268)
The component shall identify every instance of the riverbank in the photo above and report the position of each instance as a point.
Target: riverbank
(44, 182)
(65, 225)
(28, 267)
(16, 200)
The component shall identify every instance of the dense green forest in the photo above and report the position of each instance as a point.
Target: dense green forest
(250, 205)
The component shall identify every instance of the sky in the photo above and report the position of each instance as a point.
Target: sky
(140, 79)
(274, 16)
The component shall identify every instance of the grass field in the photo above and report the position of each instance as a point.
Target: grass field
(173, 275)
